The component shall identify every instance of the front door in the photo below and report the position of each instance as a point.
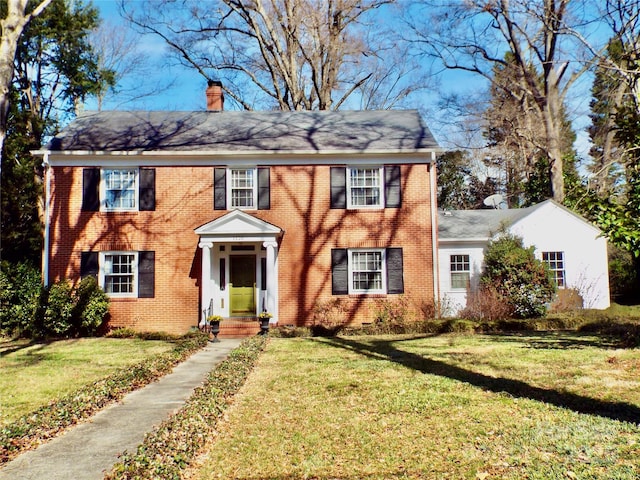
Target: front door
(242, 277)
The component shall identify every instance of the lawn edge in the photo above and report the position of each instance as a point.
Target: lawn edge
(51, 420)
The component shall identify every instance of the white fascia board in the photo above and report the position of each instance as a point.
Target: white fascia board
(464, 240)
(199, 158)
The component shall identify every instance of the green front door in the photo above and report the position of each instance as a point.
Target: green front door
(243, 285)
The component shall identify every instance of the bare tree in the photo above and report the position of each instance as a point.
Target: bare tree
(15, 20)
(285, 54)
(117, 50)
(474, 36)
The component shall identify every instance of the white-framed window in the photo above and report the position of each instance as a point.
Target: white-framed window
(460, 268)
(365, 187)
(555, 261)
(119, 273)
(243, 188)
(367, 271)
(119, 189)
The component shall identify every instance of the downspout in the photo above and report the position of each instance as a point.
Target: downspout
(47, 200)
(434, 233)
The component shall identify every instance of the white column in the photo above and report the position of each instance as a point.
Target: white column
(272, 279)
(205, 280)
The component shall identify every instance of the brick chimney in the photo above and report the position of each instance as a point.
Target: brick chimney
(215, 97)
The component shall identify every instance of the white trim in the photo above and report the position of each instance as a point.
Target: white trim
(435, 260)
(102, 274)
(47, 222)
(219, 159)
(383, 271)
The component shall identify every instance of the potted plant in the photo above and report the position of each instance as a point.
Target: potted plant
(214, 323)
(263, 318)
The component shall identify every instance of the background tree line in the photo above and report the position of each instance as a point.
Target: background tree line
(514, 129)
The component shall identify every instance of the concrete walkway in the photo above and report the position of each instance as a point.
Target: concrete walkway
(89, 450)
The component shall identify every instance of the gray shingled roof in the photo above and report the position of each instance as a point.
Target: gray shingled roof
(475, 224)
(273, 131)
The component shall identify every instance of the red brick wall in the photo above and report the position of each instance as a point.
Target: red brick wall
(299, 205)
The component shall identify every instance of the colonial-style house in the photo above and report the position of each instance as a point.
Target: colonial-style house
(574, 249)
(182, 214)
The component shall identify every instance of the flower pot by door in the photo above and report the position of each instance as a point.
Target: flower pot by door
(264, 326)
(215, 330)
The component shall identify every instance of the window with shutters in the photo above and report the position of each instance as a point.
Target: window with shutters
(243, 189)
(119, 189)
(367, 271)
(365, 187)
(119, 273)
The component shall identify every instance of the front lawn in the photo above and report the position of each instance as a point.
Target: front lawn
(534, 405)
(34, 374)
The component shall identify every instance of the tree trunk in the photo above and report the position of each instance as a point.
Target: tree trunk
(12, 26)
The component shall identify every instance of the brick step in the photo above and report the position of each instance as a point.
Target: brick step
(239, 328)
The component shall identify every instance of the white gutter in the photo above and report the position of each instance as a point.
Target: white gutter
(47, 191)
(434, 230)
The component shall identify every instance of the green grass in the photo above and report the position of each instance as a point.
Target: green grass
(34, 374)
(535, 405)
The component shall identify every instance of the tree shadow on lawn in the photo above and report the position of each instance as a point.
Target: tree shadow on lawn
(384, 350)
(558, 340)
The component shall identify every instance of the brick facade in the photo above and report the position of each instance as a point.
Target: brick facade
(300, 206)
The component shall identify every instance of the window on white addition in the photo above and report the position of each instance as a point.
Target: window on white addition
(460, 271)
(555, 261)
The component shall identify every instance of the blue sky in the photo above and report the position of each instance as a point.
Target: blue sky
(187, 89)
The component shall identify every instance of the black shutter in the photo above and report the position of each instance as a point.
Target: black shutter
(338, 187)
(263, 274)
(264, 195)
(91, 189)
(146, 274)
(147, 179)
(339, 271)
(220, 188)
(392, 191)
(89, 264)
(395, 282)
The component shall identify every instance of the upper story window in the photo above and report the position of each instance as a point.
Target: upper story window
(365, 187)
(555, 261)
(243, 188)
(120, 189)
(460, 271)
(119, 273)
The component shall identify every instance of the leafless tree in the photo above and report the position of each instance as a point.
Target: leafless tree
(117, 50)
(474, 35)
(285, 54)
(16, 18)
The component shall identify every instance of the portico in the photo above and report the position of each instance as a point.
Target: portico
(239, 266)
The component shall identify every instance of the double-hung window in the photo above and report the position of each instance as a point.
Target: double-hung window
(120, 189)
(119, 273)
(243, 188)
(365, 187)
(367, 271)
(460, 271)
(555, 261)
